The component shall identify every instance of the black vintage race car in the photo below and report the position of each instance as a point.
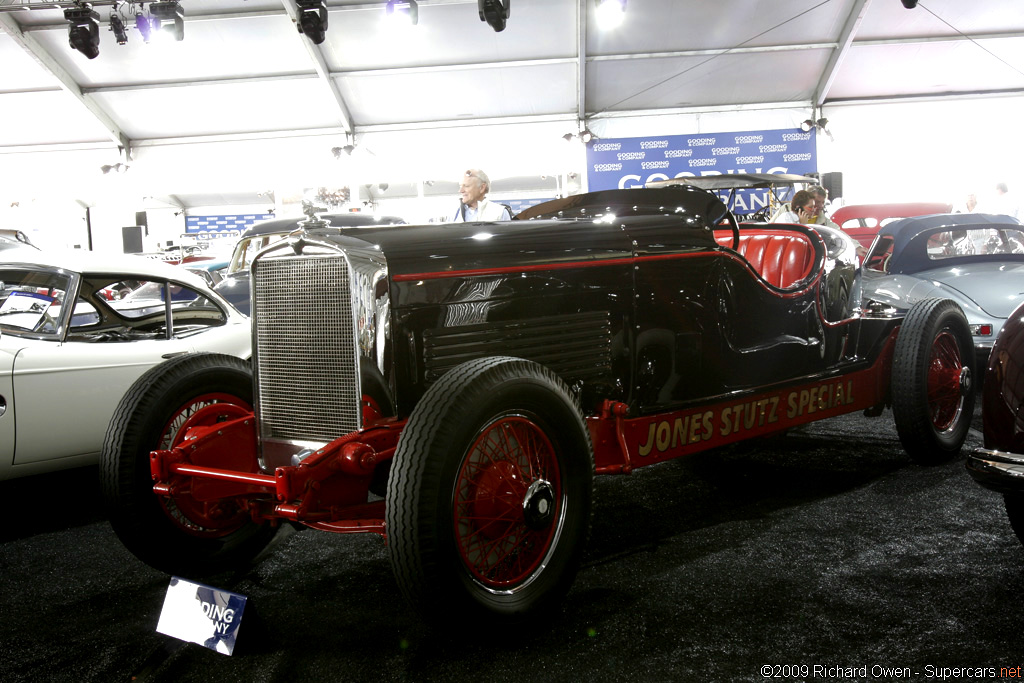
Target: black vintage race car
(455, 387)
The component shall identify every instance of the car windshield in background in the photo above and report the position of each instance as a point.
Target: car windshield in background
(248, 247)
(975, 241)
(31, 300)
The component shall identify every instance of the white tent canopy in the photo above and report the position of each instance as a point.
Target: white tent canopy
(245, 104)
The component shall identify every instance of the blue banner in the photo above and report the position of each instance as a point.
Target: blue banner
(212, 227)
(620, 163)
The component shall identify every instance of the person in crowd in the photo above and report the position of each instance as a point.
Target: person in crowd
(820, 199)
(817, 216)
(1003, 202)
(473, 202)
(800, 209)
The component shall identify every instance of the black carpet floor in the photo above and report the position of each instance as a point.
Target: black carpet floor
(825, 555)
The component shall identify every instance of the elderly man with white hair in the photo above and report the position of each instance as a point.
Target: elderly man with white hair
(473, 206)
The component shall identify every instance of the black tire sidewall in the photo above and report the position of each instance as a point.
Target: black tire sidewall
(909, 382)
(134, 510)
(453, 419)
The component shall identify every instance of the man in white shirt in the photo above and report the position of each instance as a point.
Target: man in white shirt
(473, 206)
(1002, 203)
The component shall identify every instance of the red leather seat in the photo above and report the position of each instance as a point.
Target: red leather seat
(782, 258)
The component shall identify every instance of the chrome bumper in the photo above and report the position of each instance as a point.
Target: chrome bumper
(997, 470)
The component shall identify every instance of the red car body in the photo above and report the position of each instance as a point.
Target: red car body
(862, 221)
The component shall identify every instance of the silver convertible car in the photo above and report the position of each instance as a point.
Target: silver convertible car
(977, 260)
(76, 330)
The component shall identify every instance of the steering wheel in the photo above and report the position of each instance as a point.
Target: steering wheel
(734, 224)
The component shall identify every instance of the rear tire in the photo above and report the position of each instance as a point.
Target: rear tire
(932, 381)
(488, 504)
(177, 534)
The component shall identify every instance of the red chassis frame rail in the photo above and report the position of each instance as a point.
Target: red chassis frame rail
(311, 493)
(328, 489)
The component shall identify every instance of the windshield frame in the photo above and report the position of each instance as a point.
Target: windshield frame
(73, 280)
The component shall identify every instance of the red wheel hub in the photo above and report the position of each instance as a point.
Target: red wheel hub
(948, 379)
(211, 519)
(507, 504)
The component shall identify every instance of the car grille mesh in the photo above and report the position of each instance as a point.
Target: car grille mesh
(305, 350)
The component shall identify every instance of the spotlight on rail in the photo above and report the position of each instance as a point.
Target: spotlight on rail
(494, 12)
(84, 29)
(313, 19)
(169, 17)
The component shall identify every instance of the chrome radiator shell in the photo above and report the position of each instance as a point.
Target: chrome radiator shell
(317, 310)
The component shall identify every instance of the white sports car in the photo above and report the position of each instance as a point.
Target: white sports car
(76, 330)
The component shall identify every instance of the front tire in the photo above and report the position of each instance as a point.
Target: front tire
(932, 384)
(177, 534)
(488, 504)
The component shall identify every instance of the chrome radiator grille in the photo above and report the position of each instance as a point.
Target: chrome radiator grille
(305, 349)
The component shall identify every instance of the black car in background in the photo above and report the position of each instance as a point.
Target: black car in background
(234, 282)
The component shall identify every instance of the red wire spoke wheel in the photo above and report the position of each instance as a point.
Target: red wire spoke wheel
(507, 503)
(932, 387)
(488, 501)
(202, 411)
(181, 534)
(945, 369)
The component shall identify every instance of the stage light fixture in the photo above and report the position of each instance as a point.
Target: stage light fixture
(142, 24)
(584, 136)
(346, 150)
(117, 26)
(910, 4)
(84, 29)
(168, 16)
(822, 126)
(494, 12)
(313, 19)
(403, 11)
(610, 13)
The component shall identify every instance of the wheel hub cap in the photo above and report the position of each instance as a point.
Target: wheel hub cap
(966, 381)
(539, 504)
